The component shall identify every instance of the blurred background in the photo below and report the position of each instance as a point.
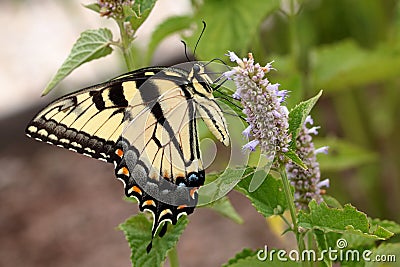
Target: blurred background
(58, 208)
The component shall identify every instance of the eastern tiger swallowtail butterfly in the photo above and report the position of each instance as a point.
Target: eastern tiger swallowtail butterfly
(145, 122)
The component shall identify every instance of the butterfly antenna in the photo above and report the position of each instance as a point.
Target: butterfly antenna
(198, 39)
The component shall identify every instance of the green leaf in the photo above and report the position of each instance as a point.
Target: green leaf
(94, 7)
(346, 221)
(322, 244)
(92, 44)
(137, 230)
(218, 185)
(332, 202)
(389, 225)
(344, 65)
(224, 207)
(142, 9)
(362, 242)
(295, 158)
(166, 28)
(389, 252)
(343, 154)
(245, 253)
(131, 200)
(231, 25)
(248, 258)
(269, 199)
(298, 115)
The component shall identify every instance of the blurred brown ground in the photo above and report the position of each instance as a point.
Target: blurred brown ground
(59, 208)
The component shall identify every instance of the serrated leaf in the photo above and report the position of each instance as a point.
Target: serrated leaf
(389, 225)
(295, 158)
(360, 242)
(345, 221)
(166, 28)
(231, 25)
(298, 115)
(224, 207)
(137, 230)
(269, 199)
(92, 44)
(94, 7)
(142, 9)
(245, 253)
(248, 258)
(343, 154)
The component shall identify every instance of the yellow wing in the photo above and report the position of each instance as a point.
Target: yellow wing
(91, 120)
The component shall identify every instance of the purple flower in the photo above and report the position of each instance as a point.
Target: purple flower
(323, 150)
(236, 95)
(313, 130)
(251, 145)
(234, 58)
(247, 132)
(323, 183)
(267, 119)
(307, 183)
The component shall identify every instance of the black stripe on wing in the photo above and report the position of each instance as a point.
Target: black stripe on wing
(106, 103)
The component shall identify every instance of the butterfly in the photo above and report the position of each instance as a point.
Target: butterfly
(145, 123)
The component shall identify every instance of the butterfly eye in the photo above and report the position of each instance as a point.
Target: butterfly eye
(196, 68)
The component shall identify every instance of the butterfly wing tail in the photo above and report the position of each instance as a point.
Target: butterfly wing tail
(166, 201)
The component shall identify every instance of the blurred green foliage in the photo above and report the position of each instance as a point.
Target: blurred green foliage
(348, 48)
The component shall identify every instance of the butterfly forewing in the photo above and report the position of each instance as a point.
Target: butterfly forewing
(91, 120)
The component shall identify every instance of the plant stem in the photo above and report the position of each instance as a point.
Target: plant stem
(173, 257)
(126, 46)
(290, 201)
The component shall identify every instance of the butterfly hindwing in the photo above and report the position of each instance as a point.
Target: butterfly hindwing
(158, 158)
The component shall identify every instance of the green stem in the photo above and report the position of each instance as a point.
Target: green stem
(290, 201)
(173, 257)
(126, 46)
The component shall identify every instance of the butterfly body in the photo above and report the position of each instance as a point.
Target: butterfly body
(145, 123)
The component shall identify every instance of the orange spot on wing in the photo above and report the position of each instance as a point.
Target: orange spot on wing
(136, 189)
(149, 203)
(181, 207)
(125, 171)
(119, 152)
(192, 191)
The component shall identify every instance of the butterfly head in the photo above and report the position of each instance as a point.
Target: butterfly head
(201, 81)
